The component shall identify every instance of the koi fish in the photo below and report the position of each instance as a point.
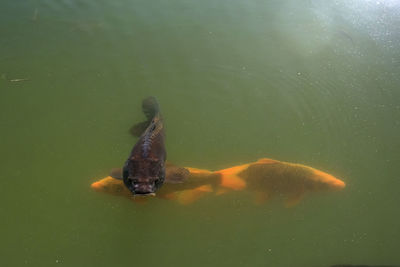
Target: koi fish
(264, 178)
(267, 178)
(144, 170)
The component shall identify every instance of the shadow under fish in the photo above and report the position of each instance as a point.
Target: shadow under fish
(144, 170)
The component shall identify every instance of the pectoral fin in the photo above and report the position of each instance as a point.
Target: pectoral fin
(294, 199)
(139, 128)
(187, 197)
(221, 191)
(175, 174)
(116, 173)
(260, 197)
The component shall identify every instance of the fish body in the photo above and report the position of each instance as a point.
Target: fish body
(264, 178)
(144, 170)
(267, 178)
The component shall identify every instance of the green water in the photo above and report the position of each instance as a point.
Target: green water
(312, 82)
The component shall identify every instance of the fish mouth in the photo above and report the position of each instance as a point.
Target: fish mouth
(141, 185)
(145, 194)
(143, 189)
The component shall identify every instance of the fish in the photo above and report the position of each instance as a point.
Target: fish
(267, 178)
(264, 179)
(144, 171)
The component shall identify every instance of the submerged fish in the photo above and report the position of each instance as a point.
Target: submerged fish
(264, 178)
(144, 170)
(267, 178)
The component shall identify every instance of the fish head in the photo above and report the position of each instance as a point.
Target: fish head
(144, 176)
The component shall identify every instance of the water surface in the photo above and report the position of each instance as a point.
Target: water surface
(314, 82)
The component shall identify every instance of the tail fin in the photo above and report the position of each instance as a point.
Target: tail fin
(150, 108)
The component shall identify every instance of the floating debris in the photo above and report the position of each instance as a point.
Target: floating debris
(19, 80)
(4, 76)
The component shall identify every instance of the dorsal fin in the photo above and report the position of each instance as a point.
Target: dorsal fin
(152, 131)
(267, 161)
(230, 177)
(116, 173)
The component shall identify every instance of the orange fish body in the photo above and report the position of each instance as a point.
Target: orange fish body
(265, 178)
(268, 177)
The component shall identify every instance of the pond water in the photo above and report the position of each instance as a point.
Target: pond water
(311, 82)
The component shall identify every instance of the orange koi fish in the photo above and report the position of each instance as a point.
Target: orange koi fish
(264, 178)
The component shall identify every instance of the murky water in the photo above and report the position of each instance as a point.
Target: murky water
(313, 82)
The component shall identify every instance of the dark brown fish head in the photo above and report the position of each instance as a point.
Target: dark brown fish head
(144, 176)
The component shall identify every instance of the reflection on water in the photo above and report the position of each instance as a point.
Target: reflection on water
(313, 82)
